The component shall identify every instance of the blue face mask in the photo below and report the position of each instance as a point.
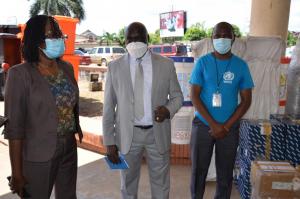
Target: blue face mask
(222, 45)
(54, 48)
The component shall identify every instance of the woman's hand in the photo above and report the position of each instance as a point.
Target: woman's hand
(16, 184)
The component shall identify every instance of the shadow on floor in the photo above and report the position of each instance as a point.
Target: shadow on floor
(89, 107)
(96, 181)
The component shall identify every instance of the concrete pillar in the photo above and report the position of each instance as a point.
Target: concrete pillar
(270, 18)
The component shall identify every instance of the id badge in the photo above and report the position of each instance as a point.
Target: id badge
(217, 100)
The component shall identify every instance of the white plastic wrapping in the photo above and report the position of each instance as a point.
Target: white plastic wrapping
(202, 47)
(264, 48)
(181, 125)
(293, 85)
(263, 57)
(265, 95)
(239, 47)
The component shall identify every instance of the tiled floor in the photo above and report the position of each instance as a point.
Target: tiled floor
(96, 181)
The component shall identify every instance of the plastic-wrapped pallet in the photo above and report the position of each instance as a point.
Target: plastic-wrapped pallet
(284, 65)
(239, 47)
(293, 85)
(265, 95)
(263, 57)
(202, 47)
(181, 125)
(264, 48)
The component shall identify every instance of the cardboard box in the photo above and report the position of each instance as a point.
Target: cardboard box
(95, 86)
(274, 180)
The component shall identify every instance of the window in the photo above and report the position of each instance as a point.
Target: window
(107, 50)
(78, 52)
(181, 49)
(118, 50)
(93, 51)
(156, 50)
(167, 49)
(100, 50)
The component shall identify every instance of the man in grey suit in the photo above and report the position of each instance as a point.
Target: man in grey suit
(142, 94)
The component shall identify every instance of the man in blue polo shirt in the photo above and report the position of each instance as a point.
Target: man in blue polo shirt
(216, 81)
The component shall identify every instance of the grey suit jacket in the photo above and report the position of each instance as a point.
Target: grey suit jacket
(118, 111)
(32, 112)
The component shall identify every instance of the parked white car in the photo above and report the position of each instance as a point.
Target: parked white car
(104, 54)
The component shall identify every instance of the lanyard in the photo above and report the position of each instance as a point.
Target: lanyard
(220, 79)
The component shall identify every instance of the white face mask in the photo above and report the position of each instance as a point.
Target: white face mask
(137, 49)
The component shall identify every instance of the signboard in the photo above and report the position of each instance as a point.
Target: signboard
(172, 24)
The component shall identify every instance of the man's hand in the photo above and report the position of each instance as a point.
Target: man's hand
(112, 154)
(161, 113)
(16, 184)
(218, 131)
(80, 135)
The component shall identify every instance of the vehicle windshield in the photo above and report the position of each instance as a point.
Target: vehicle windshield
(118, 50)
(156, 50)
(167, 49)
(78, 52)
(181, 49)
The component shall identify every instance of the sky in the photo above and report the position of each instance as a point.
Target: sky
(112, 15)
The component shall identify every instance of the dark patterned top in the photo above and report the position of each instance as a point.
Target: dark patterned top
(65, 99)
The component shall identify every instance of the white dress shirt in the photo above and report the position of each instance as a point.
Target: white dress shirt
(147, 69)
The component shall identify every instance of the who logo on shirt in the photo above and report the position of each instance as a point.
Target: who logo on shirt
(228, 77)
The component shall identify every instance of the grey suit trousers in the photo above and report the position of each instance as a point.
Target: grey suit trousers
(60, 171)
(202, 144)
(158, 166)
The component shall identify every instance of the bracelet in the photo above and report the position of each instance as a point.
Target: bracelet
(226, 129)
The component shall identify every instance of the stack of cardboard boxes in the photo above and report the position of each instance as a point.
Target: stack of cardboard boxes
(276, 139)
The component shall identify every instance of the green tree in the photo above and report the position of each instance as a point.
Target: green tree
(171, 39)
(109, 38)
(209, 32)
(291, 39)
(236, 31)
(155, 37)
(120, 38)
(195, 32)
(70, 8)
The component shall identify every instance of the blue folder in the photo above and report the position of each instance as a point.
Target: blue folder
(122, 165)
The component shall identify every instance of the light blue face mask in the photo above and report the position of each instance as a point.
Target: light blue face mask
(222, 45)
(54, 48)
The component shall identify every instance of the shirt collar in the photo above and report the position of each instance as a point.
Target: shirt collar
(147, 56)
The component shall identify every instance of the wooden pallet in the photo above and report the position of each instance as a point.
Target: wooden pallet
(180, 154)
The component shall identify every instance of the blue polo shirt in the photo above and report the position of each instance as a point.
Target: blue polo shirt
(233, 74)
